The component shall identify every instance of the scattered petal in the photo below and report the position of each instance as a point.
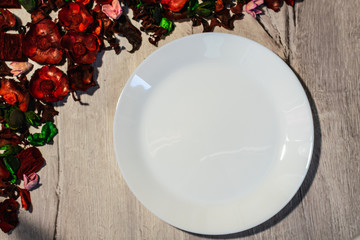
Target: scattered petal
(274, 4)
(25, 198)
(49, 84)
(31, 161)
(20, 67)
(14, 94)
(112, 10)
(42, 43)
(253, 7)
(74, 16)
(31, 181)
(8, 215)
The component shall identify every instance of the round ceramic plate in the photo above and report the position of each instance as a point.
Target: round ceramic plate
(213, 133)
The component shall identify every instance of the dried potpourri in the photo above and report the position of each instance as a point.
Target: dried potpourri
(83, 28)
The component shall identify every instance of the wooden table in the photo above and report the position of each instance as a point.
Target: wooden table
(83, 195)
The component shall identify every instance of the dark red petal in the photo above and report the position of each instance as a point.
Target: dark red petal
(31, 161)
(290, 2)
(8, 215)
(91, 43)
(274, 4)
(47, 32)
(25, 198)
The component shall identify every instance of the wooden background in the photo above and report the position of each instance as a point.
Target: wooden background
(83, 195)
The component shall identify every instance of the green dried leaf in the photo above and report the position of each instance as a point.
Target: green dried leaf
(193, 4)
(48, 132)
(167, 24)
(29, 5)
(32, 118)
(157, 15)
(205, 9)
(15, 118)
(12, 164)
(10, 150)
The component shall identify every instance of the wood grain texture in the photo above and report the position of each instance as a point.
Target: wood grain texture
(83, 195)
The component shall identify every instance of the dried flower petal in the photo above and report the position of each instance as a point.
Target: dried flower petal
(49, 84)
(4, 174)
(102, 2)
(31, 161)
(74, 16)
(31, 181)
(84, 2)
(290, 2)
(173, 5)
(8, 215)
(82, 47)
(9, 137)
(81, 77)
(42, 43)
(274, 4)
(7, 19)
(4, 69)
(25, 198)
(14, 94)
(20, 67)
(11, 47)
(219, 5)
(253, 7)
(112, 10)
(10, 4)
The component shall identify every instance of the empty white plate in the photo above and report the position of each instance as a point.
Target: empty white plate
(213, 133)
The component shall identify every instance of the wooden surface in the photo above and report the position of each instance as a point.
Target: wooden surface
(83, 195)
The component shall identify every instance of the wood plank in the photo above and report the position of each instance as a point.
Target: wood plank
(326, 56)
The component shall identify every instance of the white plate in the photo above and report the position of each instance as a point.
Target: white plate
(213, 133)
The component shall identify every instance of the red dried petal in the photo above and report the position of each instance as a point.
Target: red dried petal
(274, 4)
(14, 94)
(173, 5)
(10, 4)
(31, 161)
(11, 47)
(49, 84)
(74, 16)
(83, 1)
(7, 19)
(102, 2)
(42, 43)
(4, 173)
(38, 15)
(8, 215)
(237, 9)
(219, 5)
(290, 2)
(81, 77)
(82, 47)
(25, 198)
(9, 137)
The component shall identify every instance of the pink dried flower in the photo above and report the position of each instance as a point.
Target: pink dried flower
(20, 67)
(112, 10)
(31, 181)
(253, 7)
